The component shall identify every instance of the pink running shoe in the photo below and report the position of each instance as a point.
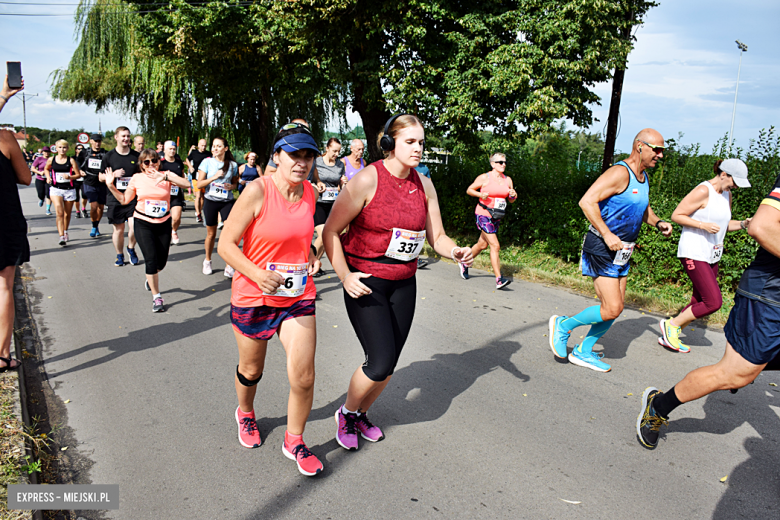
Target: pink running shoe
(367, 429)
(346, 434)
(308, 463)
(248, 434)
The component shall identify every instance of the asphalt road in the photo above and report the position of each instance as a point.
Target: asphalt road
(480, 420)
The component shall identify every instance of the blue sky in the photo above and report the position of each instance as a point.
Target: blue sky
(680, 78)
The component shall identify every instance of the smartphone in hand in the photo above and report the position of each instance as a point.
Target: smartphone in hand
(14, 74)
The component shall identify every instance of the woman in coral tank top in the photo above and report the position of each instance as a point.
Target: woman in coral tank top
(494, 190)
(390, 210)
(273, 291)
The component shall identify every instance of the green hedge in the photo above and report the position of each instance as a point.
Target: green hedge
(549, 186)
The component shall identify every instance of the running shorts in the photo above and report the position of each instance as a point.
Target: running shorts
(597, 265)
(263, 322)
(321, 212)
(212, 208)
(68, 195)
(96, 193)
(753, 330)
(118, 214)
(487, 224)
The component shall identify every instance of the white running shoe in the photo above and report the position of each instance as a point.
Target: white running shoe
(220, 225)
(207, 267)
(174, 238)
(229, 271)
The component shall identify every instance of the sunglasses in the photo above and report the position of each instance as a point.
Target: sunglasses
(149, 162)
(290, 126)
(655, 149)
(499, 162)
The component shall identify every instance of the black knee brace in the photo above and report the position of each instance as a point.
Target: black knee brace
(246, 382)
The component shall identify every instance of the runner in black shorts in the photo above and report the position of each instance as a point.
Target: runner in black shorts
(194, 158)
(173, 163)
(90, 162)
(330, 171)
(218, 176)
(124, 164)
(752, 330)
(81, 198)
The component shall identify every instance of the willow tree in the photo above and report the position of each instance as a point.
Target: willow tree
(508, 65)
(192, 69)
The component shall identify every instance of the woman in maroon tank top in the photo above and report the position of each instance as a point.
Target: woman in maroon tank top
(390, 210)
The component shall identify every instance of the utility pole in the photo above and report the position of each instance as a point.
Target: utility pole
(24, 113)
(742, 48)
(614, 103)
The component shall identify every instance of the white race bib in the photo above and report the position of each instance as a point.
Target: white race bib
(405, 245)
(155, 208)
(499, 203)
(295, 277)
(174, 190)
(716, 253)
(122, 182)
(217, 190)
(330, 194)
(93, 163)
(60, 177)
(622, 257)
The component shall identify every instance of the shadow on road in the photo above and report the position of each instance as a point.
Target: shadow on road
(420, 392)
(753, 487)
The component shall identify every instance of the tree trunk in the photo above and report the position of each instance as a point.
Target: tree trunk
(368, 100)
(259, 127)
(373, 122)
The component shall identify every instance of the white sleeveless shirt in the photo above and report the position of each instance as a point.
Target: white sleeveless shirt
(698, 244)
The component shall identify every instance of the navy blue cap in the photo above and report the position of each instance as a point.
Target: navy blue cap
(96, 137)
(295, 142)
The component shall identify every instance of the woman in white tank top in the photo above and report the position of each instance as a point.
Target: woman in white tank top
(705, 216)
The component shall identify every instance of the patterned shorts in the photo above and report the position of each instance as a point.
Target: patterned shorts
(264, 321)
(487, 224)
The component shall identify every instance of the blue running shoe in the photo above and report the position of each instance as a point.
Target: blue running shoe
(40, 203)
(591, 360)
(93, 233)
(133, 256)
(97, 232)
(120, 260)
(558, 337)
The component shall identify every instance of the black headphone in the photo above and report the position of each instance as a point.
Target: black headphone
(387, 143)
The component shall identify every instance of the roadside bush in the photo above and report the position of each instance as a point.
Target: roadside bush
(550, 184)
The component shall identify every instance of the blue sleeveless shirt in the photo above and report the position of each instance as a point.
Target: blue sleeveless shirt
(622, 213)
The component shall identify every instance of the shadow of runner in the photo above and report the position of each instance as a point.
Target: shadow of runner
(753, 487)
(144, 339)
(420, 392)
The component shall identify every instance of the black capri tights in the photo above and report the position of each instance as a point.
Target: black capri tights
(382, 321)
(155, 241)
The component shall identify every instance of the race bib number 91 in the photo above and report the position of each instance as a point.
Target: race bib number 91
(295, 277)
(174, 190)
(624, 255)
(405, 245)
(217, 190)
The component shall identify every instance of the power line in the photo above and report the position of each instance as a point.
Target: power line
(127, 11)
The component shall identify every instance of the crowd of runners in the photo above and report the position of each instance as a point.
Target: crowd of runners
(372, 220)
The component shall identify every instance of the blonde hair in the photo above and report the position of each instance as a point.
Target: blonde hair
(404, 121)
(62, 141)
(496, 155)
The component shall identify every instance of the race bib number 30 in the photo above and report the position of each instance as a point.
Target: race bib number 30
(295, 276)
(624, 255)
(405, 245)
(717, 252)
(218, 190)
(330, 194)
(499, 203)
(93, 163)
(122, 182)
(155, 208)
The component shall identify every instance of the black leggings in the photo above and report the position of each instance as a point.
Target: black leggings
(42, 188)
(155, 241)
(382, 321)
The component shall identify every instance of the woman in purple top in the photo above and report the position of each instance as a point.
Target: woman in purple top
(40, 180)
(353, 162)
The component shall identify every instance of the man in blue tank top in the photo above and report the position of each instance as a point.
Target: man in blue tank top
(616, 205)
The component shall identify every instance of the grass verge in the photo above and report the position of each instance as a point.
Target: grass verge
(535, 265)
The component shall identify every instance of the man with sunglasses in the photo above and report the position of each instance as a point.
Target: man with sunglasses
(123, 162)
(90, 162)
(616, 205)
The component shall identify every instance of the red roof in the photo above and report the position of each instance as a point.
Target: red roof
(20, 137)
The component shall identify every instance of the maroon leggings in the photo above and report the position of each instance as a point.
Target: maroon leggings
(706, 297)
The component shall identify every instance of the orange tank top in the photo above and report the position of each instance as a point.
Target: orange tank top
(154, 198)
(497, 188)
(279, 239)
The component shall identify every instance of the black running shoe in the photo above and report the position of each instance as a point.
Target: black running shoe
(318, 273)
(421, 263)
(649, 421)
